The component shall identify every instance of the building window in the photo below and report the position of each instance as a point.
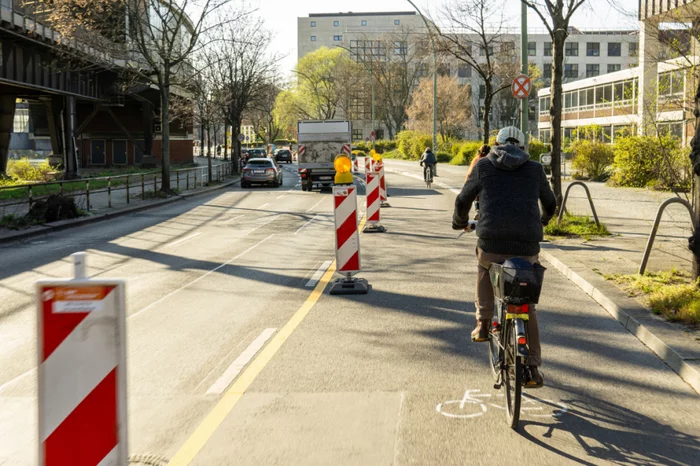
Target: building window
(547, 73)
(357, 135)
(482, 91)
(313, 38)
(613, 68)
(671, 83)
(464, 71)
(546, 135)
(532, 49)
(338, 38)
(593, 49)
(397, 22)
(364, 22)
(444, 69)
(614, 49)
(547, 49)
(21, 122)
(313, 24)
(571, 49)
(634, 49)
(380, 133)
(482, 50)
(571, 71)
(508, 47)
(400, 48)
(336, 23)
(592, 70)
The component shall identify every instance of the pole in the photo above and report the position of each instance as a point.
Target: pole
(432, 41)
(371, 77)
(524, 104)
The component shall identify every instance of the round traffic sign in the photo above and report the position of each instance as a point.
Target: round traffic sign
(373, 135)
(521, 86)
(241, 137)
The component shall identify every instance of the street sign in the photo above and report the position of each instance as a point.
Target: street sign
(373, 136)
(546, 159)
(521, 86)
(242, 137)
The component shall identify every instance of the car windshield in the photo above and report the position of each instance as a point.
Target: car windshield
(284, 152)
(260, 163)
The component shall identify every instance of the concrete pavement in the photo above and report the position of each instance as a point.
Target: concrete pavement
(386, 378)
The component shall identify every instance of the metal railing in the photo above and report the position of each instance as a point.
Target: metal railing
(655, 228)
(134, 186)
(590, 201)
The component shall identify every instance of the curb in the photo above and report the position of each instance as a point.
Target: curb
(65, 224)
(635, 318)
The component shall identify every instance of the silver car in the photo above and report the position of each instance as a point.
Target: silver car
(261, 171)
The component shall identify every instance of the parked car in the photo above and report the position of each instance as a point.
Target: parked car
(283, 155)
(261, 171)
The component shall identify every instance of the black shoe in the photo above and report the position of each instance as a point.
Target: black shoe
(481, 332)
(535, 378)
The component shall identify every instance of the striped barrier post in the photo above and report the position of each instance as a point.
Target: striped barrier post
(383, 197)
(347, 238)
(82, 370)
(374, 215)
(369, 165)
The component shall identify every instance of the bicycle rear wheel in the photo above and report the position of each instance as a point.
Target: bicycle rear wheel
(495, 353)
(512, 375)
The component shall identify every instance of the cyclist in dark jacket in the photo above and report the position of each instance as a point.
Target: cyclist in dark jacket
(429, 159)
(510, 187)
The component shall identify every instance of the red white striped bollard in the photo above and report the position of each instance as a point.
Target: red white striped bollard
(374, 215)
(369, 165)
(82, 370)
(347, 241)
(383, 197)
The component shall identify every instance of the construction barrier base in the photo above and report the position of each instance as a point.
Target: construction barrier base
(374, 228)
(350, 286)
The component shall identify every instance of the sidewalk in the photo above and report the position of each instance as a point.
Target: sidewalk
(629, 214)
(101, 211)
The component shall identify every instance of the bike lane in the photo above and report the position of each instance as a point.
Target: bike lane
(392, 378)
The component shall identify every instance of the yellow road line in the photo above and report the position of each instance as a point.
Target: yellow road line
(186, 454)
(194, 444)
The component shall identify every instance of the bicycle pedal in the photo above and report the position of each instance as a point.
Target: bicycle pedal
(497, 386)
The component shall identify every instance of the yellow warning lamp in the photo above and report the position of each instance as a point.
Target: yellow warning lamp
(343, 167)
(377, 157)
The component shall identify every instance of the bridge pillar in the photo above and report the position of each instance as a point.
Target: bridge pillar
(7, 118)
(70, 150)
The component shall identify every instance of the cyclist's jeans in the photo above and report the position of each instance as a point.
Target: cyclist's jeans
(485, 300)
(425, 171)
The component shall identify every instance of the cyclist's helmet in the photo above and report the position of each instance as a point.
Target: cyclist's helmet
(510, 135)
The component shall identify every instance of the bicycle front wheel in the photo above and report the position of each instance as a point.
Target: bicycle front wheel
(512, 375)
(495, 353)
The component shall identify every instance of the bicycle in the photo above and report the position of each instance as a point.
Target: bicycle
(428, 175)
(516, 287)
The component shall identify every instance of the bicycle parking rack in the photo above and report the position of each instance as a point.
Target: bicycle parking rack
(590, 201)
(657, 221)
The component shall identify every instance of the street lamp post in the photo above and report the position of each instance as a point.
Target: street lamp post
(432, 40)
(524, 103)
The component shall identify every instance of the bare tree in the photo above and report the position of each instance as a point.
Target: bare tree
(242, 69)
(475, 37)
(452, 107)
(262, 112)
(556, 14)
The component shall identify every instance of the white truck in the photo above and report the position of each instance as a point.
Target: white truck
(320, 142)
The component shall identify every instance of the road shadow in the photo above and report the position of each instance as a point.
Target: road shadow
(610, 432)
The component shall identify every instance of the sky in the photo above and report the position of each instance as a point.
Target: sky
(281, 17)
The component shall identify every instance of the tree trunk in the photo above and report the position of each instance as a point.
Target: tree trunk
(165, 132)
(556, 108)
(695, 159)
(236, 155)
(226, 142)
(209, 154)
(488, 100)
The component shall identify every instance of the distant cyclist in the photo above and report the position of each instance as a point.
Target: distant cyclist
(428, 161)
(509, 186)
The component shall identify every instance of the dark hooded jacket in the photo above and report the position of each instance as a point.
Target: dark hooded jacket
(428, 158)
(509, 186)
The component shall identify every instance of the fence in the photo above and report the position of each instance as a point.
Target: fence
(108, 191)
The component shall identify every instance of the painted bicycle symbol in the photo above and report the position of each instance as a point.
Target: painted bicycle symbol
(475, 404)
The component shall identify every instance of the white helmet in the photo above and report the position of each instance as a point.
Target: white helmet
(510, 134)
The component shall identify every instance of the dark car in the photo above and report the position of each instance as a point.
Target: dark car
(261, 171)
(283, 155)
(256, 153)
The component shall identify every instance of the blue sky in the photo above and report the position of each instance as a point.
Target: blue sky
(281, 17)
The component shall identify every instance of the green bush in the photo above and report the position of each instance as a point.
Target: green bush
(467, 151)
(24, 170)
(537, 148)
(384, 145)
(412, 144)
(359, 153)
(363, 146)
(443, 157)
(649, 161)
(592, 158)
(393, 154)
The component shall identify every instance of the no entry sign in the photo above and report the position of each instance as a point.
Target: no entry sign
(521, 86)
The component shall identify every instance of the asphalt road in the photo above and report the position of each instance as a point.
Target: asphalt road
(386, 378)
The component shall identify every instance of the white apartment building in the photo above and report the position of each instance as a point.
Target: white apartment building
(588, 53)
